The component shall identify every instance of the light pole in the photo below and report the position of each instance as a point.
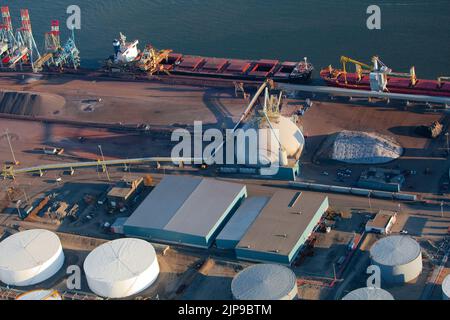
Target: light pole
(370, 203)
(10, 147)
(104, 165)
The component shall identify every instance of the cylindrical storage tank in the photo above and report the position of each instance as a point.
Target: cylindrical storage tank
(446, 288)
(399, 258)
(121, 268)
(40, 295)
(265, 282)
(368, 293)
(30, 257)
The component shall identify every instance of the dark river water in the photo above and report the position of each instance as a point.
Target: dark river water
(413, 32)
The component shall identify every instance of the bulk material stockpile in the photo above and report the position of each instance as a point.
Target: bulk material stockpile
(360, 148)
(368, 293)
(265, 282)
(121, 268)
(399, 258)
(30, 257)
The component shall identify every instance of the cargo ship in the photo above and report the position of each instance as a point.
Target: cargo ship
(378, 77)
(128, 58)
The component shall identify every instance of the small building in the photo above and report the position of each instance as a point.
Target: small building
(117, 226)
(382, 223)
(121, 193)
(283, 227)
(185, 210)
(239, 223)
(382, 179)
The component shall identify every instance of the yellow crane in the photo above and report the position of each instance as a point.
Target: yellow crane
(359, 67)
(152, 59)
(39, 64)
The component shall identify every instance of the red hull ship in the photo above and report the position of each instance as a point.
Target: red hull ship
(379, 77)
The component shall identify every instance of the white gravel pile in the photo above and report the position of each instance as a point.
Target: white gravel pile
(364, 148)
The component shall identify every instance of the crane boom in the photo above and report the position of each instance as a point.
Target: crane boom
(359, 66)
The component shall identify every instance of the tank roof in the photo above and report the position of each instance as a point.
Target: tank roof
(395, 250)
(264, 282)
(368, 293)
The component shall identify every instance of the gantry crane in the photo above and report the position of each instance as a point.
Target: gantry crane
(51, 47)
(25, 38)
(68, 55)
(7, 37)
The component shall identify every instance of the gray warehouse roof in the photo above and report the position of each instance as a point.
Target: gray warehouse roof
(283, 222)
(242, 219)
(185, 206)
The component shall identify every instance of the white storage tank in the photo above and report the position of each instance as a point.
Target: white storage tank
(399, 258)
(40, 295)
(30, 257)
(265, 282)
(121, 268)
(446, 288)
(368, 293)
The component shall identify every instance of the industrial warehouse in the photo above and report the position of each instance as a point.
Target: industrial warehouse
(282, 227)
(185, 210)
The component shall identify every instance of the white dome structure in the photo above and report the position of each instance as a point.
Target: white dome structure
(368, 293)
(399, 258)
(40, 295)
(121, 268)
(446, 288)
(30, 257)
(265, 282)
(285, 132)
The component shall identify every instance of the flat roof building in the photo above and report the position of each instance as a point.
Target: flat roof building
(282, 227)
(235, 229)
(124, 189)
(382, 223)
(185, 210)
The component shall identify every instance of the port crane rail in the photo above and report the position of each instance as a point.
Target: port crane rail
(11, 171)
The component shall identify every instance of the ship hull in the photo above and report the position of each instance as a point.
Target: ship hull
(395, 84)
(222, 68)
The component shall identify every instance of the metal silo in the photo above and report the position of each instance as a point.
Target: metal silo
(399, 258)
